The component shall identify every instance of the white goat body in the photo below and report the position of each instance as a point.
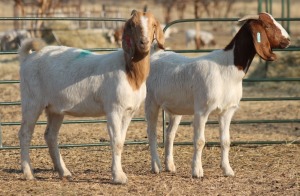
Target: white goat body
(178, 81)
(207, 38)
(77, 82)
(198, 86)
(63, 80)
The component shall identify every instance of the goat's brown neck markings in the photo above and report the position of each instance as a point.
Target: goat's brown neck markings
(138, 70)
(244, 50)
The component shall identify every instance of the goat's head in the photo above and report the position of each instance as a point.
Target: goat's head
(267, 34)
(139, 32)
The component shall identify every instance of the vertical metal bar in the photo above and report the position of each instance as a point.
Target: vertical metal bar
(282, 12)
(164, 125)
(0, 134)
(259, 6)
(267, 5)
(271, 6)
(288, 15)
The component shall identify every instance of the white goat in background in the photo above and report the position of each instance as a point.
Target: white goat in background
(63, 80)
(206, 38)
(12, 39)
(198, 86)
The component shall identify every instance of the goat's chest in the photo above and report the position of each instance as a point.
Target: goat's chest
(224, 95)
(129, 97)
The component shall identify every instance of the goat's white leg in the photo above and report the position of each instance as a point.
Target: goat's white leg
(152, 116)
(170, 135)
(224, 121)
(30, 114)
(114, 123)
(125, 124)
(51, 134)
(199, 142)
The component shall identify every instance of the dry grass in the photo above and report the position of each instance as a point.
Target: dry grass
(260, 170)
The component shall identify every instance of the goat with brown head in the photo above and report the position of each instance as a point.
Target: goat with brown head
(260, 34)
(199, 85)
(108, 85)
(139, 33)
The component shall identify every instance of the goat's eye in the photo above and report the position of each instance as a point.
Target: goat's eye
(267, 27)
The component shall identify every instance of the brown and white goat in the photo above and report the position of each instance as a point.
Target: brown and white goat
(198, 86)
(69, 81)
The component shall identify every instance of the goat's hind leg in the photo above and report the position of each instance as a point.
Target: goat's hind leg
(170, 135)
(224, 121)
(51, 134)
(30, 114)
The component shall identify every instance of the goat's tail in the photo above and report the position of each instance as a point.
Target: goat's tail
(28, 46)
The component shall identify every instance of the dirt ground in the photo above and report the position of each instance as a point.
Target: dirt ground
(259, 169)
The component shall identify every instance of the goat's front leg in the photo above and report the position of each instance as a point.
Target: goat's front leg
(199, 142)
(152, 116)
(224, 121)
(170, 135)
(114, 126)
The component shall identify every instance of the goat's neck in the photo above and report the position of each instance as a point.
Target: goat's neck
(243, 49)
(138, 70)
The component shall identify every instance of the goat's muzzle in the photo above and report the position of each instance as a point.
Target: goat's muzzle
(143, 44)
(284, 43)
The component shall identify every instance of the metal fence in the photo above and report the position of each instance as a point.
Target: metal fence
(142, 119)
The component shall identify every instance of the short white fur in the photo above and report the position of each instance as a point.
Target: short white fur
(144, 22)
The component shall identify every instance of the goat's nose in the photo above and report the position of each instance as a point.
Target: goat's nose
(144, 41)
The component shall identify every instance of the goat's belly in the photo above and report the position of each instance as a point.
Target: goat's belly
(83, 108)
(178, 109)
(83, 111)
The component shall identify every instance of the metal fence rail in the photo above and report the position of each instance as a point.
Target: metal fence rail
(18, 103)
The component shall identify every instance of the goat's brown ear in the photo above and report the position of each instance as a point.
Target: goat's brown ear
(261, 42)
(159, 35)
(127, 43)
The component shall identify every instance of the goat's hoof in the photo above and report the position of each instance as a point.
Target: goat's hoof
(229, 172)
(197, 174)
(156, 168)
(66, 178)
(120, 179)
(171, 168)
(29, 177)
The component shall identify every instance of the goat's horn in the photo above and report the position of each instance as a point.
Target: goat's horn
(248, 17)
(133, 12)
